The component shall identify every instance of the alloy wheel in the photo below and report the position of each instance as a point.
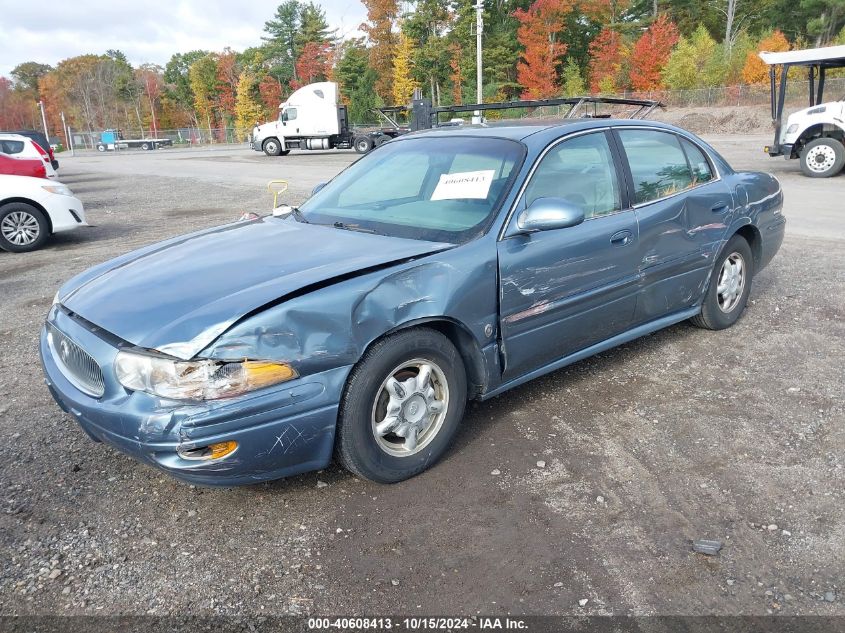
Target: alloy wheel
(20, 228)
(410, 407)
(731, 282)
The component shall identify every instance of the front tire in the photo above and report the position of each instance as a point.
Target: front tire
(822, 158)
(272, 147)
(23, 228)
(401, 406)
(730, 285)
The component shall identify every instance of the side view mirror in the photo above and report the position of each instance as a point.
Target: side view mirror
(284, 116)
(318, 187)
(547, 214)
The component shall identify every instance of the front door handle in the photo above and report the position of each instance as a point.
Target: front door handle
(719, 207)
(621, 238)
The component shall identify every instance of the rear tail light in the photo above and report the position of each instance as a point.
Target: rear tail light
(41, 171)
(44, 155)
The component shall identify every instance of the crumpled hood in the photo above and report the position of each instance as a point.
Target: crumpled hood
(180, 295)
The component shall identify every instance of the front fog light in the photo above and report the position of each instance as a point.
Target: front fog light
(198, 379)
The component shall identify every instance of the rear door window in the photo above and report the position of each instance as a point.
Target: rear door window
(658, 164)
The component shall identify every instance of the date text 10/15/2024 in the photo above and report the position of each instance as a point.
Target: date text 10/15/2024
(417, 623)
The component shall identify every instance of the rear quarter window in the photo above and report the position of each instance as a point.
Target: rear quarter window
(11, 147)
(701, 170)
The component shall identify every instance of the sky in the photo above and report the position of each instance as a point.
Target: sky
(149, 31)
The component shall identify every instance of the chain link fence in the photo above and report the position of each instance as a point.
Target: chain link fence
(797, 96)
(186, 137)
(180, 137)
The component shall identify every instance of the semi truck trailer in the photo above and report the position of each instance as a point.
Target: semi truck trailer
(113, 140)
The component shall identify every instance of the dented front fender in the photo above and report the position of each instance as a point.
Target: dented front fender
(333, 326)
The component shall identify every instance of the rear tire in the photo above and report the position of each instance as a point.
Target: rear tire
(401, 406)
(822, 158)
(272, 147)
(145, 146)
(101, 148)
(362, 144)
(730, 285)
(23, 228)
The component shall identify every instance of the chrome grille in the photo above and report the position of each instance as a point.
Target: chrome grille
(76, 364)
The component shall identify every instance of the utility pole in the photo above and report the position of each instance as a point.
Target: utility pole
(44, 122)
(479, 83)
(64, 129)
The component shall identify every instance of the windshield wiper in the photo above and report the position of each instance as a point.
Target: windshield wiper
(353, 227)
(299, 215)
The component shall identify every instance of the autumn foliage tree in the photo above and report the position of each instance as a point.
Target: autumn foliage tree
(651, 53)
(403, 82)
(17, 110)
(248, 110)
(538, 33)
(604, 11)
(271, 94)
(606, 56)
(381, 15)
(456, 75)
(227, 84)
(312, 65)
(755, 70)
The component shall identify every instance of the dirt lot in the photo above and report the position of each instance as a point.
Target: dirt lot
(685, 434)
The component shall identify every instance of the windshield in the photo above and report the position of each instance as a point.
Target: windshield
(441, 189)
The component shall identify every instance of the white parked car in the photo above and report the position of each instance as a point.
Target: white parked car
(18, 146)
(32, 209)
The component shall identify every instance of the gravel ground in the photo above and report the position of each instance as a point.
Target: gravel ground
(579, 493)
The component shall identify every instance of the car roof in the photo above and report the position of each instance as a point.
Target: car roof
(8, 136)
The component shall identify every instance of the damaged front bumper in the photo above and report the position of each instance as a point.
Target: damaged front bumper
(280, 431)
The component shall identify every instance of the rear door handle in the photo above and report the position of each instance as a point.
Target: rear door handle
(621, 238)
(719, 207)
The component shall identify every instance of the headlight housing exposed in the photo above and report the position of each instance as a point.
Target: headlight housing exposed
(197, 379)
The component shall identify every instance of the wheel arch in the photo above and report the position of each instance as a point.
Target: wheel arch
(820, 130)
(752, 235)
(30, 202)
(459, 335)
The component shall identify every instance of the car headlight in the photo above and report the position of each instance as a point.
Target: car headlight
(62, 190)
(792, 129)
(197, 379)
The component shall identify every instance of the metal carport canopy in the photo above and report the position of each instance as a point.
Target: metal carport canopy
(827, 56)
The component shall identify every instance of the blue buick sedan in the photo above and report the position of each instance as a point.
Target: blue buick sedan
(444, 266)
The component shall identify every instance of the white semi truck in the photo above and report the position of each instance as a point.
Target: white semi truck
(815, 134)
(312, 118)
